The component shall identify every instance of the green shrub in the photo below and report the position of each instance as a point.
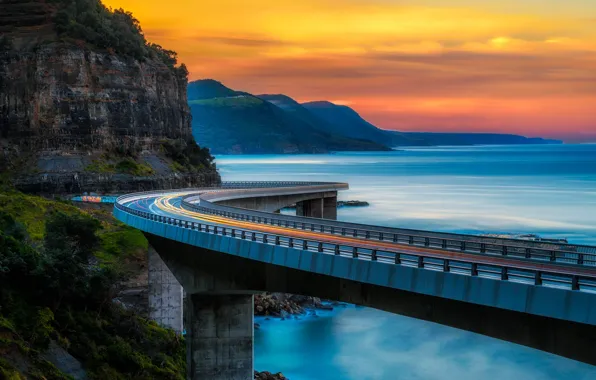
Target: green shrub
(8, 371)
(55, 289)
(125, 166)
(187, 156)
(130, 166)
(115, 30)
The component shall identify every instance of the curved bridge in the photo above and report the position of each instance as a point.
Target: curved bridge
(224, 244)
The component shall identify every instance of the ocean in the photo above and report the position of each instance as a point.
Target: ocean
(549, 190)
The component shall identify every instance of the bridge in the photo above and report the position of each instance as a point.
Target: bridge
(222, 245)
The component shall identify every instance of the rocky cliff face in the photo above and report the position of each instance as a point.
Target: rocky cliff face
(69, 113)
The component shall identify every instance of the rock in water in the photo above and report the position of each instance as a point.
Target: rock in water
(283, 305)
(269, 376)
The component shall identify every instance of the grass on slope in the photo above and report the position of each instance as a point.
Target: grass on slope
(59, 270)
(124, 166)
(32, 211)
(248, 124)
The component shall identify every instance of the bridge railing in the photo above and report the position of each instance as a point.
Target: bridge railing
(565, 279)
(267, 184)
(230, 185)
(521, 249)
(514, 248)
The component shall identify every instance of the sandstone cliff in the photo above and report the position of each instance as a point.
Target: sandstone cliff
(76, 118)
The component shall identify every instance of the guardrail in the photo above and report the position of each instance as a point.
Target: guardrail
(514, 248)
(259, 191)
(267, 184)
(578, 255)
(560, 279)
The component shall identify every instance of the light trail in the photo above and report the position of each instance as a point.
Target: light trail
(164, 204)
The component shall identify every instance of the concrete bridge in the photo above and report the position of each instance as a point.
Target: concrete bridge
(223, 245)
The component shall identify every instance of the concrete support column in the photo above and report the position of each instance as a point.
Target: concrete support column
(219, 340)
(330, 208)
(312, 208)
(165, 294)
(300, 209)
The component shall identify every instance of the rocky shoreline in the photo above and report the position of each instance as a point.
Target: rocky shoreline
(282, 305)
(269, 376)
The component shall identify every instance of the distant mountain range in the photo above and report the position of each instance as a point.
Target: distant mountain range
(235, 122)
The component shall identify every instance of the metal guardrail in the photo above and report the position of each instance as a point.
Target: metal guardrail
(513, 248)
(259, 191)
(454, 236)
(464, 267)
(267, 184)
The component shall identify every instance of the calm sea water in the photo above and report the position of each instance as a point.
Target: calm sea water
(547, 190)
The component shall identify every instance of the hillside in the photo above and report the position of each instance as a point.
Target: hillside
(434, 138)
(208, 89)
(297, 110)
(235, 122)
(60, 269)
(332, 126)
(343, 120)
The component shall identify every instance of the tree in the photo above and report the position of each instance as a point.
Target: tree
(115, 30)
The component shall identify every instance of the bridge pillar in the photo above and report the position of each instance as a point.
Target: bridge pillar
(219, 341)
(309, 208)
(312, 208)
(165, 294)
(330, 208)
(318, 208)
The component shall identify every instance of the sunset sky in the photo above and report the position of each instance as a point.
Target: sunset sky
(519, 66)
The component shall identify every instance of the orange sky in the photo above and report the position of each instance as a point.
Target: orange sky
(526, 67)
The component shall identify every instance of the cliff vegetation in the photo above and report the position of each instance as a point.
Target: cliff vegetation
(58, 270)
(115, 30)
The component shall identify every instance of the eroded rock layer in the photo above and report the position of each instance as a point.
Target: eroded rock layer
(67, 109)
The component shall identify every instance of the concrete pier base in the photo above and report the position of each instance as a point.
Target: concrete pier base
(330, 208)
(312, 208)
(318, 208)
(219, 341)
(165, 294)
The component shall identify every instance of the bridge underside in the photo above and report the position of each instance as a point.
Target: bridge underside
(219, 322)
(221, 278)
(314, 205)
(210, 276)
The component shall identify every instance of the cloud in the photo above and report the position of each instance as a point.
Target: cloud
(494, 63)
(242, 42)
(455, 73)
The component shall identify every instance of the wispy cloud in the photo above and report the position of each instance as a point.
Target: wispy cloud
(505, 65)
(242, 41)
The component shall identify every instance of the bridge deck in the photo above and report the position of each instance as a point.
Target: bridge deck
(548, 264)
(540, 295)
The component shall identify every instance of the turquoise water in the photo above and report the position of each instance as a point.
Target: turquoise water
(548, 190)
